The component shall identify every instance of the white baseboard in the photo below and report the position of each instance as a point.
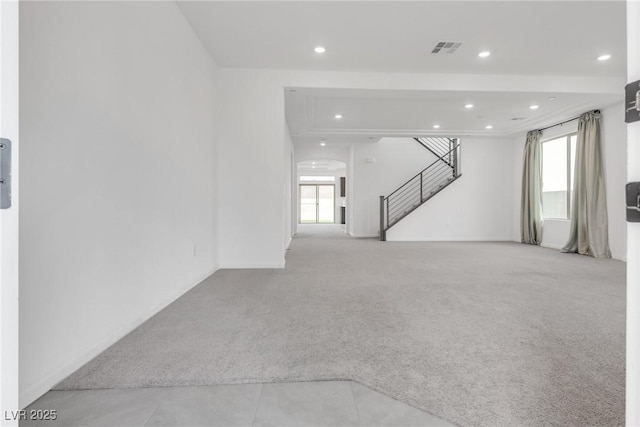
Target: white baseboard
(32, 392)
(237, 266)
(454, 239)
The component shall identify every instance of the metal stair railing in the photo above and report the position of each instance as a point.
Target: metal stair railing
(421, 187)
(439, 147)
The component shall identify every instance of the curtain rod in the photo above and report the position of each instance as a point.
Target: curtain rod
(566, 121)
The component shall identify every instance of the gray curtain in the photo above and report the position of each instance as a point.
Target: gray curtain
(531, 206)
(589, 234)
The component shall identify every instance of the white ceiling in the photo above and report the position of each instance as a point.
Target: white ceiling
(371, 114)
(528, 39)
(525, 37)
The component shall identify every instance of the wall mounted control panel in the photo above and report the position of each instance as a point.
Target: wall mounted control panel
(632, 102)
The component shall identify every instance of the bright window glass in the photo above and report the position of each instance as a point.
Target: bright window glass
(326, 200)
(558, 160)
(308, 204)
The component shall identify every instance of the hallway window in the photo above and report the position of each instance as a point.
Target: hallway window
(558, 160)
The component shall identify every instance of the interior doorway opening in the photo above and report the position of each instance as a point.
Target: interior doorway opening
(317, 203)
(321, 192)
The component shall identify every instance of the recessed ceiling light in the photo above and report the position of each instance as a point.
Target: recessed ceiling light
(603, 57)
(313, 163)
(484, 54)
(436, 126)
(338, 116)
(323, 144)
(488, 127)
(551, 98)
(468, 106)
(319, 49)
(533, 107)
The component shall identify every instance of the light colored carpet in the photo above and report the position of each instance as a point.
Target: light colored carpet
(475, 333)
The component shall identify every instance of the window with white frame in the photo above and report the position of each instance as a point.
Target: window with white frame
(558, 164)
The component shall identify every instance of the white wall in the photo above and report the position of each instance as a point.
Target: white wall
(290, 179)
(614, 151)
(117, 102)
(475, 207)
(555, 232)
(253, 172)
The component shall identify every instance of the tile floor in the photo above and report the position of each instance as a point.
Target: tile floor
(321, 403)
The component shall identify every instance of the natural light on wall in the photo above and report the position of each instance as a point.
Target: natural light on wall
(558, 160)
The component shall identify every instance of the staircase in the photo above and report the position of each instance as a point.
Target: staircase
(423, 186)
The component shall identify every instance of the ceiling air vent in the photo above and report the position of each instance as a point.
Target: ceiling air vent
(446, 47)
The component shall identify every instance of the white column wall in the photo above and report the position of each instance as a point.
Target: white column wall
(253, 172)
(9, 281)
(633, 229)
